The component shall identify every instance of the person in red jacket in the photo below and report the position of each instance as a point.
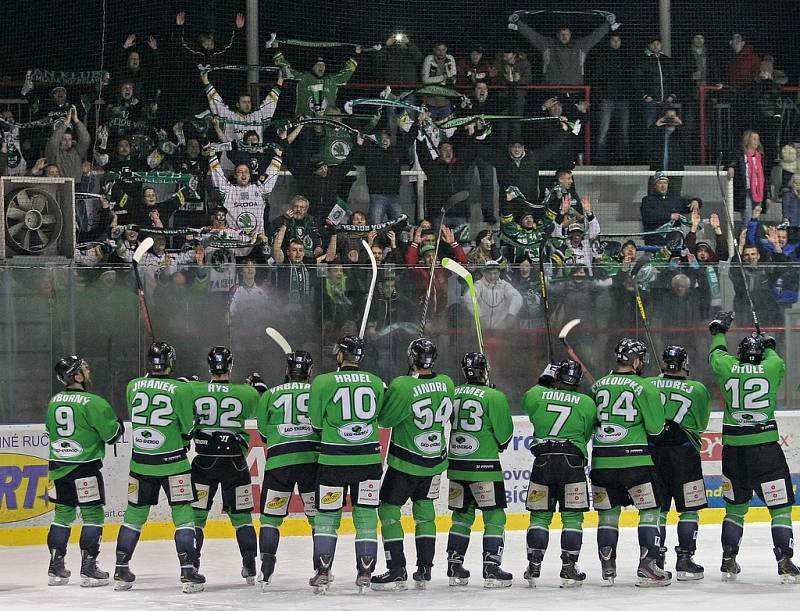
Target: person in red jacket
(421, 258)
(744, 64)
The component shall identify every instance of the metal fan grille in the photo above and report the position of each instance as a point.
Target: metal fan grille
(33, 220)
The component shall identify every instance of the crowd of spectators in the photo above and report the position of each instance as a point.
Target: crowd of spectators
(211, 173)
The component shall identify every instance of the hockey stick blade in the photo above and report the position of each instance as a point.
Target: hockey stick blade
(562, 335)
(279, 339)
(145, 245)
(457, 269)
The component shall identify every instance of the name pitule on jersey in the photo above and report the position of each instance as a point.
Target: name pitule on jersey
(556, 395)
(344, 378)
(676, 384)
(747, 368)
(72, 398)
(621, 381)
(428, 387)
(155, 384)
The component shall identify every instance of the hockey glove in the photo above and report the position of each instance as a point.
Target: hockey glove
(769, 341)
(721, 323)
(255, 380)
(549, 375)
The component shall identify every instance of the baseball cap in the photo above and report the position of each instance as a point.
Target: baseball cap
(427, 248)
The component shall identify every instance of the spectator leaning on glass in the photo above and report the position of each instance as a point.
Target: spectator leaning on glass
(499, 302)
(663, 206)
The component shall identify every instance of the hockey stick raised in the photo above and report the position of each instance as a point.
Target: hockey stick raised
(279, 339)
(562, 335)
(736, 248)
(145, 245)
(643, 260)
(461, 271)
(374, 264)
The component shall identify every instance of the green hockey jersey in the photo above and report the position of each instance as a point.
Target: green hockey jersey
(416, 409)
(750, 394)
(628, 409)
(687, 403)
(481, 428)
(285, 425)
(162, 420)
(79, 424)
(317, 96)
(220, 411)
(344, 407)
(561, 415)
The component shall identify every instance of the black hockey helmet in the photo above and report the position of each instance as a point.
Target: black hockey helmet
(628, 350)
(676, 359)
(351, 347)
(160, 357)
(570, 372)
(299, 365)
(220, 360)
(475, 367)
(67, 367)
(751, 349)
(422, 353)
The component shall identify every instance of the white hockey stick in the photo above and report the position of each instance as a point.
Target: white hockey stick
(368, 303)
(460, 270)
(562, 335)
(143, 247)
(279, 339)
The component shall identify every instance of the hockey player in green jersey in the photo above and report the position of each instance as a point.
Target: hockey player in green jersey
(416, 408)
(563, 421)
(79, 424)
(161, 420)
(221, 442)
(629, 410)
(344, 407)
(752, 459)
(292, 450)
(481, 429)
(676, 454)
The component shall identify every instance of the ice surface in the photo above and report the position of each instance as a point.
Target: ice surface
(23, 579)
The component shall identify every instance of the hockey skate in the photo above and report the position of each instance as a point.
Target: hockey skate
(686, 568)
(459, 576)
(91, 576)
(608, 563)
(571, 576)
(495, 577)
(393, 579)
(267, 569)
(729, 568)
(365, 565)
(123, 578)
(650, 574)
(192, 581)
(249, 569)
(321, 579)
(421, 577)
(57, 573)
(534, 569)
(787, 570)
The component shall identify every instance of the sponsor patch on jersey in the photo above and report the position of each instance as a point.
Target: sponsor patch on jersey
(775, 492)
(66, 448)
(148, 439)
(462, 444)
(277, 502)
(429, 442)
(330, 498)
(295, 430)
(748, 417)
(610, 433)
(355, 431)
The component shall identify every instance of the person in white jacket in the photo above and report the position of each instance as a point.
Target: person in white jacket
(499, 302)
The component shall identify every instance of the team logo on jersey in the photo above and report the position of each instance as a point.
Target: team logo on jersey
(462, 444)
(749, 417)
(294, 430)
(339, 149)
(429, 441)
(280, 501)
(610, 433)
(355, 431)
(246, 221)
(66, 448)
(330, 498)
(148, 439)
